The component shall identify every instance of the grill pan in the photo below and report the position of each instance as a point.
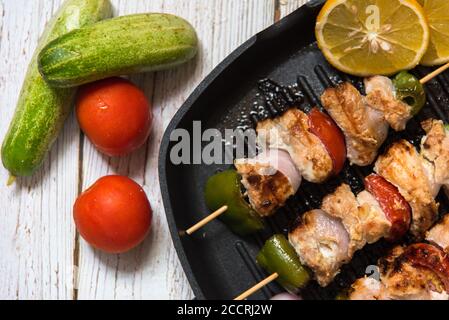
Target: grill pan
(278, 68)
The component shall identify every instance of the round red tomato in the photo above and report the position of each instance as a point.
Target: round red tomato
(113, 215)
(115, 115)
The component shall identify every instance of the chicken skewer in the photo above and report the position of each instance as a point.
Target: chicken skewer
(399, 197)
(416, 272)
(315, 146)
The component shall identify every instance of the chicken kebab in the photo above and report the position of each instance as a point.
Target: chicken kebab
(399, 197)
(416, 272)
(313, 147)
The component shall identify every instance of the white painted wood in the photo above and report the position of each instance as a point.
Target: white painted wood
(288, 6)
(37, 238)
(37, 233)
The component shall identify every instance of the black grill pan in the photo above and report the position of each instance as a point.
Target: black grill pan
(219, 264)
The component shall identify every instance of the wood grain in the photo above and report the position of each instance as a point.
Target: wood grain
(37, 233)
(288, 6)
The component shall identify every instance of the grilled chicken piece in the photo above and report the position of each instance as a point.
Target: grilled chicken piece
(343, 204)
(368, 289)
(409, 283)
(326, 239)
(416, 272)
(321, 242)
(270, 179)
(380, 95)
(365, 128)
(403, 167)
(435, 148)
(374, 221)
(290, 132)
(439, 234)
(411, 273)
(413, 283)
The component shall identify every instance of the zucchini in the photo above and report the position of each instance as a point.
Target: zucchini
(41, 109)
(114, 47)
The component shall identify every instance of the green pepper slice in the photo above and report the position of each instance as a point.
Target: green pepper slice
(277, 255)
(224, 189)
(410, 91)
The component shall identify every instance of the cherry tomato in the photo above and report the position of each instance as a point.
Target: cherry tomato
(430, 257)
(331, 136)
(113, 215)
(115, 115)
(396, 208)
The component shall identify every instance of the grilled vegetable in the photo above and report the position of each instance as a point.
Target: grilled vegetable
(41, 109)
(342, 295)
(224, 189)
(393, 204)
(410, 90)
(124, 45)
(331, 136)
(430, 257)
(277, 255)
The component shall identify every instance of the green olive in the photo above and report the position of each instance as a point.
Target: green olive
(410, 91)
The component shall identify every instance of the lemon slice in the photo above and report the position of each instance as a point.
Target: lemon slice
(372, 37)
(437, 13)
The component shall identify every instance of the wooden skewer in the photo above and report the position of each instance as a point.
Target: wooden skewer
(220, 211)
(257, 287)
(435, 73)
(206, 220)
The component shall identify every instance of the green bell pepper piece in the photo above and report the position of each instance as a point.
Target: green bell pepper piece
(277, 255)
(224, 189)
(409, 90)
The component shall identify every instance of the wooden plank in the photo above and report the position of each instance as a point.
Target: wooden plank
(37, 234)
(153, 270)
(288, 6)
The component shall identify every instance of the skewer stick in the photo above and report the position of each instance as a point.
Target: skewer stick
(257, 287)
(220, 211)
(435, 73)
(206, 220)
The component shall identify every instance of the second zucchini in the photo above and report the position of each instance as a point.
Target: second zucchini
(123, 45)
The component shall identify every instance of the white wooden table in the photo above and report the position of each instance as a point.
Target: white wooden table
(41, 255)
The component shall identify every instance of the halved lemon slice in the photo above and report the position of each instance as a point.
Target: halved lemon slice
(437, 13)
(370, 37)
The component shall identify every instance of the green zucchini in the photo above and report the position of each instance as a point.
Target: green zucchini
(41, 109)
(114, 47)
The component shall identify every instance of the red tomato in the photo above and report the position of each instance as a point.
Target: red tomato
(331, 136)
(396, 208)
(115, 115)
(113, 215)
(430, 257)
